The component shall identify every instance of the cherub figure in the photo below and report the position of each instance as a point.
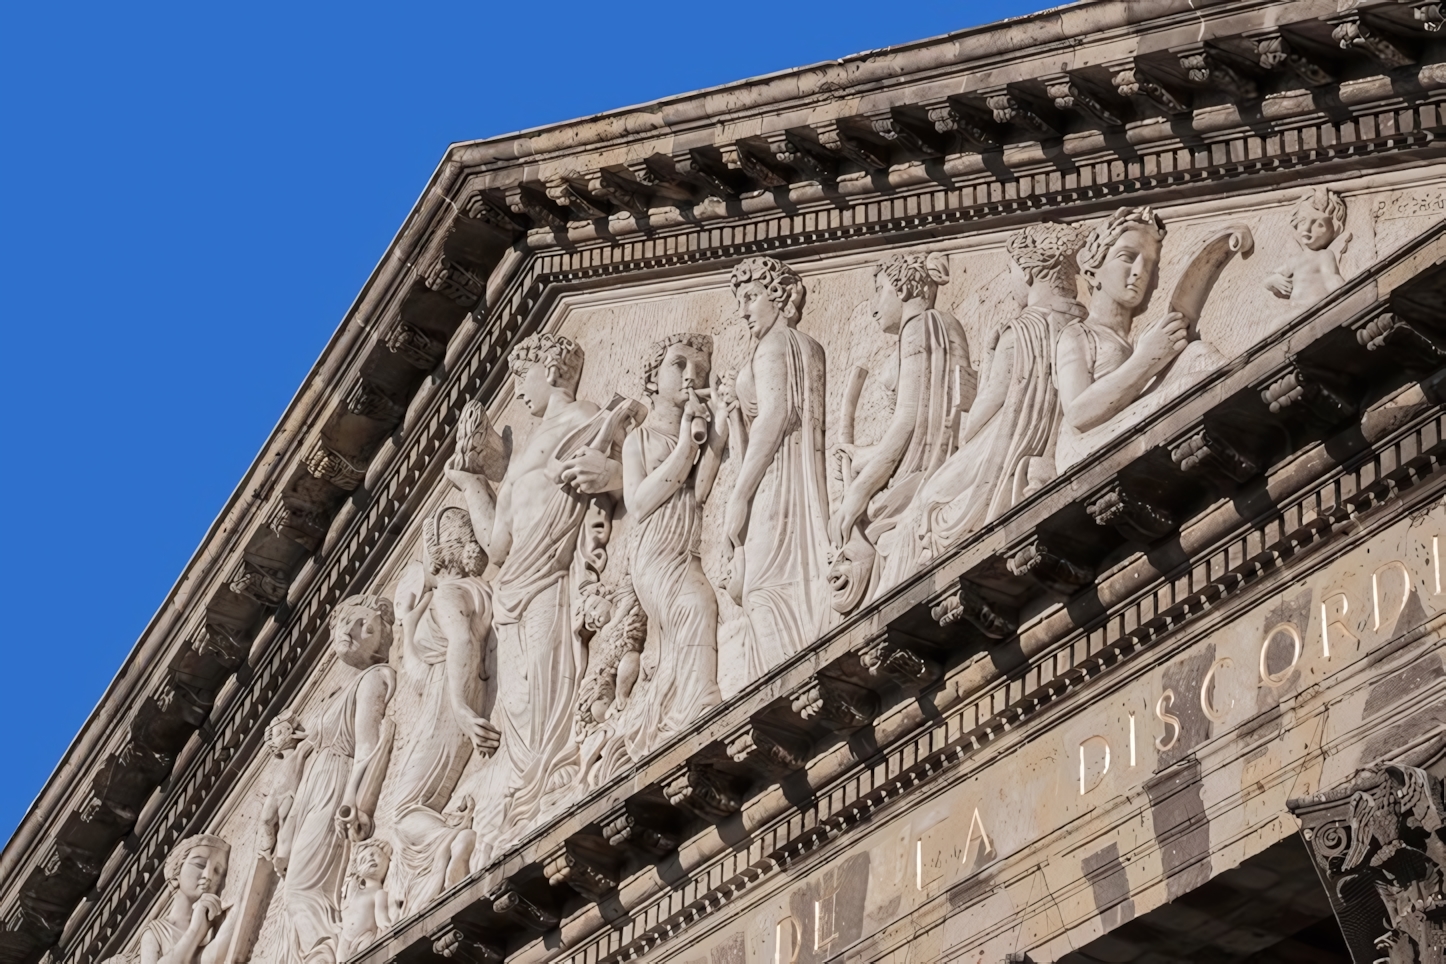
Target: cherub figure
(1319, 221)
(367, 909)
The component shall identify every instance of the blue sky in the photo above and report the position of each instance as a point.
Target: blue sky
(191, 197)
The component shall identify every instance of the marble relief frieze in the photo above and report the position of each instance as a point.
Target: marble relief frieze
(684, 488)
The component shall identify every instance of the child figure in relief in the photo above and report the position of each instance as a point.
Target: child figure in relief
(367, 909)
(1319, 221)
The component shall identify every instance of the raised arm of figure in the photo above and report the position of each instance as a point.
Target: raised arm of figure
(458, 619)
(1089, 401)
(645, 491)
(998, 368)
(484, 507)
(874, 465)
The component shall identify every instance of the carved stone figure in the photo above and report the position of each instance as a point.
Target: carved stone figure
(932, 383)
(777, 515)
(1379, 843)
(338, 761)
(670, 462)
(444, 640)
(194, 928)
(555, 487)
(1319, 221)
(1106, 382)
(669, 465)
(1006, 450)
(367, 909)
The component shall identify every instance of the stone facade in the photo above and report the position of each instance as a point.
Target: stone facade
(947, 504)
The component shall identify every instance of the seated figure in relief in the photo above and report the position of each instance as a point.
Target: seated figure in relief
(1318, 220)
(776, 521)
(1106, 382)
(194, 928)
(1006, 451)
(445, 633)
(367, 908)
(333, 768)
(932, 383)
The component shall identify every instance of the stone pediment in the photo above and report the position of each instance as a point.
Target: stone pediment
(1304, 397)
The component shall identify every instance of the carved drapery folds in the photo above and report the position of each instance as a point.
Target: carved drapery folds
(1379, 845)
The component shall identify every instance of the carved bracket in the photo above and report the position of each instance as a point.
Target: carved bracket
(896, 130)
(325, 464)
(865, 154)
(369, 401)
(1354, 32)
(1429, 16)
(1406, 344)
(414, 347)
(643, 825)
(1202, 453)
(1297, 389)
(525, 200)
(704, 792)
(624, 193)
(295, 524)
(1009, 108)
(1209, 67)
(565, 194)
(1274, 50)
(510, 903)
(464, 945)
(772, 749)
(218, 642)
(1379, 845)
(454, 282)
(836, 703)
(1069, 94)
(1048, 568)
(586, 864)
(1131, 80)
(266, 586)
(710, 174)
(888, 656)
(950, 119)
(809, 160)
(737, 157)
(482, 206)
(967, 604)
(1136, 519)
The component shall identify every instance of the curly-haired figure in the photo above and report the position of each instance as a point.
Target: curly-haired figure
(777, 515)
(339, 759)
(932, 383)
(532, 527)
(1005, 452)
(1318, 220)
(193, 929)
(1099, 371)
(669, 465)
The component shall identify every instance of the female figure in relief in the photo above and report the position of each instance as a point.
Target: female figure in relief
(194, 928)
(444, 640)
(777, 515)
(1006, 451)
(1100, 373)
(932, 383)
(670, 462)
(338, 762)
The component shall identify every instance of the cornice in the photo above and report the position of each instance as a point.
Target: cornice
(363, 442)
